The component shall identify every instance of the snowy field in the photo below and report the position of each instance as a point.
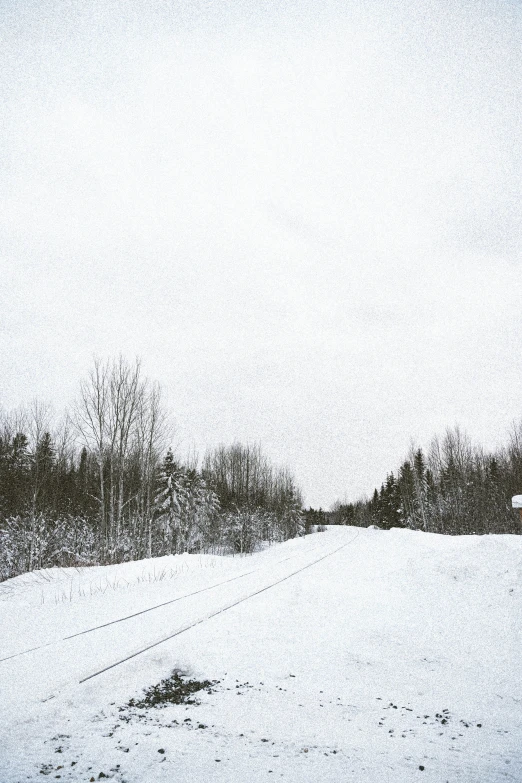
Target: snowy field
(358, 655)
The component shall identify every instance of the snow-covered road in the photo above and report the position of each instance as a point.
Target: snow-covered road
(394, 658)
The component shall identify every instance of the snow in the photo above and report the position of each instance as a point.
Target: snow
(516, 501)
(399, 651)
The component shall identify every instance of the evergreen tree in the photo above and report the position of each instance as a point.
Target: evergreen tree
(406, 492)
(168, 504)
(42, 463)
(18, 476)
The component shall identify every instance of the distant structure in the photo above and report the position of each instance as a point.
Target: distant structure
(516, 502)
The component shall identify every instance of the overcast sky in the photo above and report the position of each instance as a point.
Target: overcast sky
(305, 217)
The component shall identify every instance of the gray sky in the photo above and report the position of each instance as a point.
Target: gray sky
(305, 218)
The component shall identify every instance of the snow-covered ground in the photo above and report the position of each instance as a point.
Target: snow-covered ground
(395, 658)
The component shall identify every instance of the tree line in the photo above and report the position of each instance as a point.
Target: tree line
(454, 487)
(103, 486)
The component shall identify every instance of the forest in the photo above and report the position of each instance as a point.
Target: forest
(455, 488)
(104, 486)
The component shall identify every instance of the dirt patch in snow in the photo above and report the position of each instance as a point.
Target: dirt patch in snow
(176, 689)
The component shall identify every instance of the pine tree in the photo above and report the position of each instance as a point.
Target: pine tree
(42, 470)
(406, 491)
(293, 519)
(168, 503)
(390, 502)
(421, 488)
(18, 476)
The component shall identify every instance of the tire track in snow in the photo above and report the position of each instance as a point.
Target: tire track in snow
(210, 616)
(144, 611)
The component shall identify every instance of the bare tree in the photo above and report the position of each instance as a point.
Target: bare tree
(90, 417)
(152, 432)
(127, 394)
(120, 417)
